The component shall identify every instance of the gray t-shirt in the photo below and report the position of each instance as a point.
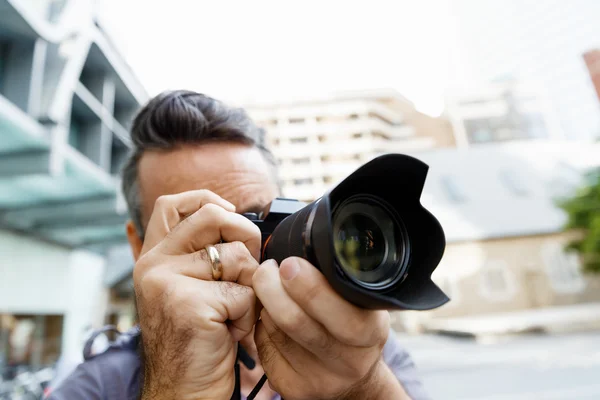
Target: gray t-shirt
(115, 374)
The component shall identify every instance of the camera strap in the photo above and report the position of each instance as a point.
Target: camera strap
(245, 358)
(237, 391)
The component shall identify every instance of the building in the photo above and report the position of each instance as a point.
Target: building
(320, 141)
(500, 111)
(66, 101)
(592, 61)
(504, 232)
(539, 42)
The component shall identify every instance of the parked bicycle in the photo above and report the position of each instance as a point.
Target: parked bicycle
(26, 385)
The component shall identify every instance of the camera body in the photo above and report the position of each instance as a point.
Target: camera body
(370, 236)
(279, 209)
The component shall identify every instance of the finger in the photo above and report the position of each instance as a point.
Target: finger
(272, 361)
(247, 342)
(286, 314)
(293, 351)
(238, 264)
(170, 210)
(209, 225)
(234, 304)
(187, 299)
(309, 288)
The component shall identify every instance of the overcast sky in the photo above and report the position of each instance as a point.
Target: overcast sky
(269, 50)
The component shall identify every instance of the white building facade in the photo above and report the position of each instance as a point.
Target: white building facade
(538, 42)
(506, 110)
(320, 141)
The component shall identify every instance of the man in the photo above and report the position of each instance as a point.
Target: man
(197, 166)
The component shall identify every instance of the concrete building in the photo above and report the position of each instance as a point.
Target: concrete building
(319, 141)
(66, 101)
(540, 42)
(504, 232)
(501, 111)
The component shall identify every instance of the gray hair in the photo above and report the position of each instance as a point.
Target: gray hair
(175, 118)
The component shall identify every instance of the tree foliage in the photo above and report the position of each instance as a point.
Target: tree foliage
(583, 210)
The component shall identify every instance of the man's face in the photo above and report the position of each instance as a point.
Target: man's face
(236, 172)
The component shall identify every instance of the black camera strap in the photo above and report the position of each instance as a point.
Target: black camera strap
(257, 388)
(245, 358)
(237, 390)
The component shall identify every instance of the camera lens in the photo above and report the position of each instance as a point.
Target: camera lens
(360, 243)
(370, 242)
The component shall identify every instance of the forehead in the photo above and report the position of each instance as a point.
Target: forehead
(236, 172)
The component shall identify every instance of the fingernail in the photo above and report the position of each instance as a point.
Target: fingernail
(289, 269)
(270, 262)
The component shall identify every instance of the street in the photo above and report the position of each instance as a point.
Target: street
(530, 367)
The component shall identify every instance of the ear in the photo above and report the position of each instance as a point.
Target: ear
(134, 240)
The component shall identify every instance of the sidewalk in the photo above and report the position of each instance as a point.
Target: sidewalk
(562, 319)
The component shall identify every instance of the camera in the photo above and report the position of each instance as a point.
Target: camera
(370, 236)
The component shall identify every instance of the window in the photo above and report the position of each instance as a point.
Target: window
(327, 179)
(497, 282)
(453, 191)
(488, 129)
(118, 154)
(322, 138)
(379, 134)
(353, 116)
(473, 102)
(481, 136)
(563, 268)
(299, 140)
(303, 181)
(357, 135)
(296, 120)
(535, 126)
(380, 118)
(325, 158)
(300, 160)
(514, 183)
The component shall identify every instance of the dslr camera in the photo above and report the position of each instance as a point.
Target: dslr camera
(370, 236)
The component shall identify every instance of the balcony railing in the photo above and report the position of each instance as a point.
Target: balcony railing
(341, 128)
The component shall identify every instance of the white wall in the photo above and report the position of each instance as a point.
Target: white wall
(33, 275)
(40, 278)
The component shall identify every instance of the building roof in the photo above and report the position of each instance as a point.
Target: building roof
(326, 98)
(65, 109)
(503, 190)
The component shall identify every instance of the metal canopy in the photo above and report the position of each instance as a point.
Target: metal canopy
(66, 101)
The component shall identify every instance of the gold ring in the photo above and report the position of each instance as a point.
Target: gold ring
(215, 260)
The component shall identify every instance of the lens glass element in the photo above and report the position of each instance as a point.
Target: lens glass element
(370, 242)
(360, 243)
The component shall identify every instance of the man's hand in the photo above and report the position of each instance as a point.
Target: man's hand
(313, 344)
(190, 323)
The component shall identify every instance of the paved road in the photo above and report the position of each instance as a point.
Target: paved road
(520, 368)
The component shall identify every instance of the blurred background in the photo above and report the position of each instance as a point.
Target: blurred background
(501, 98)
